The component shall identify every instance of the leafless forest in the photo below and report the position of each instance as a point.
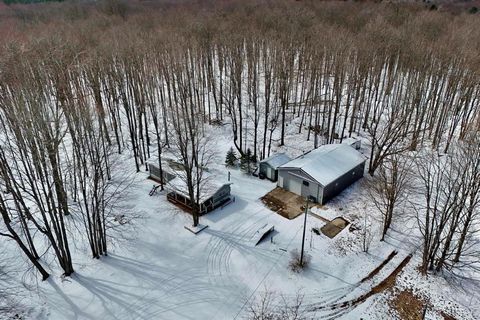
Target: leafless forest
(81, 84)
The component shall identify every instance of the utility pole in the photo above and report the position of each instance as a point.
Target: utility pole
(304, 229)
(424, 313)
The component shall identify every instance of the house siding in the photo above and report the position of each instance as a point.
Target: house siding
(154, 174)
(218, 199)
(264, 167)
(221, 195)
(311, 190)
(282, 179)
(296, 171)
(341, 183)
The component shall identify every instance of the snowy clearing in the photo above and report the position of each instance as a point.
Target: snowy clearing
(165, 272)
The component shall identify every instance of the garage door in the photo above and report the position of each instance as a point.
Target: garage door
(295, 185)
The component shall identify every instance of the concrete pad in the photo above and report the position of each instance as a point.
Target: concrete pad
(196, 229)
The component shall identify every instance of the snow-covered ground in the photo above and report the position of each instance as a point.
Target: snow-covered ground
(163, 271)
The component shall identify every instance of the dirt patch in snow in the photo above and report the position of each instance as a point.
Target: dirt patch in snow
(334, 227)
(447, 317)
(287, 204)
(387, 284)
(380, 267)
(410, 306)
(407, 305)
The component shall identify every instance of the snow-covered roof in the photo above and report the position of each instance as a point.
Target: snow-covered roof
(208, 187)
(328, 162)
(276, 160)
(350, 141)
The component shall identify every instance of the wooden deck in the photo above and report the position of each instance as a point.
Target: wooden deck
(188, 209)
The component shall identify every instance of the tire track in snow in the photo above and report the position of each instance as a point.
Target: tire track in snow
(340, 308)
(173, 290)
(224, 243)
(342, 293)
(267, 274)
(232, 238)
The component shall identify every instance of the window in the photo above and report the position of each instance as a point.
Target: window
(305, 183)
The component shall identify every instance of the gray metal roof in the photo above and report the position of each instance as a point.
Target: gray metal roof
(350, 141)
(328, 162)
(208, 187)
(276, 160)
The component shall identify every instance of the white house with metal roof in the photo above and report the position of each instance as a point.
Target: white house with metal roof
(322, 173)
(268, 167)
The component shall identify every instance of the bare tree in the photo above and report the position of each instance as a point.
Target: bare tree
(389, 188)
(367, 232)
(189, 142)
(11, 233)
(386, 130)
(271, 306)
(450, 207)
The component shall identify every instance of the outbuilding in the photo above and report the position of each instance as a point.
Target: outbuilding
(268, 167)
(322, 173)
(353, 142)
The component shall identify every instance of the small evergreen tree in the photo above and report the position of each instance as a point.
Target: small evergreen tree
(246, 161)
(253, 158)
(231, 158)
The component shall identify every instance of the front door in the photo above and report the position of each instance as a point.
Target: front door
(269, 173)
